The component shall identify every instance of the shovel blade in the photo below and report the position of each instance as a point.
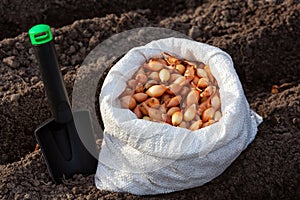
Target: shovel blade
(69, 148)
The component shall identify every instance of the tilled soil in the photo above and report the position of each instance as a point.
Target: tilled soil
(262, 38)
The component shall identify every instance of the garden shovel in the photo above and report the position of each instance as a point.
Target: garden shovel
(66, 140)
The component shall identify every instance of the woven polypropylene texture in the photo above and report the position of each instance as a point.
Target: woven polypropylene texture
(143, 157)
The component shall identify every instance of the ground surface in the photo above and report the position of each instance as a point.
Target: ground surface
(262, 38)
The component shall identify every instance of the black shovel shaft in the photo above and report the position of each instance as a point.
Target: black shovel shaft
(53, 82)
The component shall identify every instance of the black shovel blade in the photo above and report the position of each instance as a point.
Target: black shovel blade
(68, 149)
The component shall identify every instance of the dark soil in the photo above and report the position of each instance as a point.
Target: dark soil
(19, 16)
(262, 38)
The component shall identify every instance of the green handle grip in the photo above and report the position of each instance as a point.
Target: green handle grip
(40, 34)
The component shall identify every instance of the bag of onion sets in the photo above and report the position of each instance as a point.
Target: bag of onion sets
(175, 117)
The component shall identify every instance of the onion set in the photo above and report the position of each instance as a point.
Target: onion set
(173, 91)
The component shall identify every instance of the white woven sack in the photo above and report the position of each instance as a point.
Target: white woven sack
(143, 157)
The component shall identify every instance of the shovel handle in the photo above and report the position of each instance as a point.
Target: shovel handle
(58, 101)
